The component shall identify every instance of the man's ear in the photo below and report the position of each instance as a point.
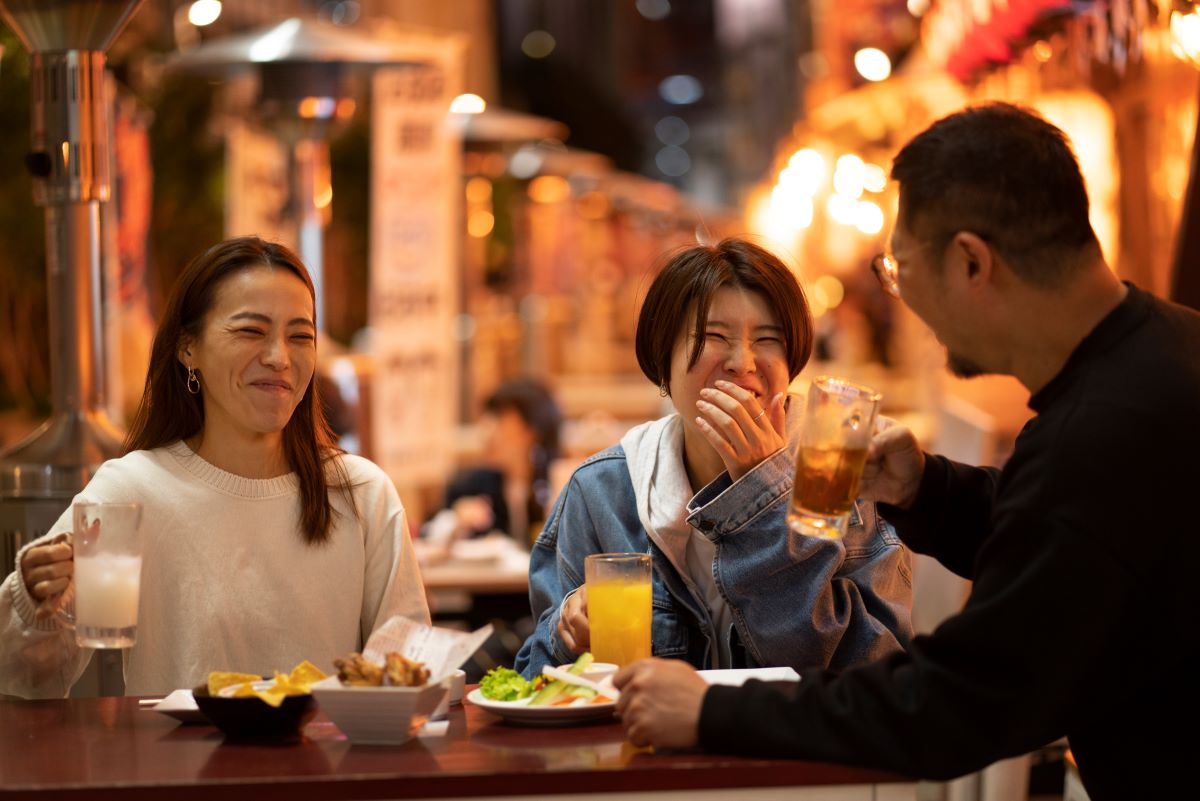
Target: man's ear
(972, 256)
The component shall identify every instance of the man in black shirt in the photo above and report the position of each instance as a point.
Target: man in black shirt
(1081, 550)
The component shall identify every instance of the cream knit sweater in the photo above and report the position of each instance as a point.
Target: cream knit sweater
(227, 581)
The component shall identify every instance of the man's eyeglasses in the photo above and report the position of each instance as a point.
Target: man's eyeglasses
(887, 271)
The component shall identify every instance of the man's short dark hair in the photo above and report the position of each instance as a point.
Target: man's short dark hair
(687, 284)
(1003, 173)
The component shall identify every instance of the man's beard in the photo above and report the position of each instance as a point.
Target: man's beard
(963, 367)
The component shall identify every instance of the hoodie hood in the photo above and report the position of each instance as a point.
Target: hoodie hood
(662, 491)
(654, 454)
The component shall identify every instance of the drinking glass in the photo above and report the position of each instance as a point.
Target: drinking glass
(618, 602)
(108, 570)
(838, 423)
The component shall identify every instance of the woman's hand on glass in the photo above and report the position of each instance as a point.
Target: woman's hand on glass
(573, 627)
(47, 571)
(741, 429)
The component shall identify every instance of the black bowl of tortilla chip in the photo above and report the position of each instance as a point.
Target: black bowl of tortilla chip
(251, 718)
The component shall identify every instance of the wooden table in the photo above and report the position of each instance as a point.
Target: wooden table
(108, 748)
(477, 590)
(476, 578)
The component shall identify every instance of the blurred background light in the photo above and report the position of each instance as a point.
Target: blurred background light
(794, 207)
(673, 160)
(468, 104)
(842, 209)
(918, 7)
(272, 45)
(538, 44)
(654, 9)
(479, 190)
(341, 12)
(849, 176)
(874, 178)
(549, 189)
(525, 163)
(868, 217)
(828, 291)
(805, 170)
(680, 90)
(1185, 35)
(672, 131)
(873, 64)
(480, 223)
(204, 12)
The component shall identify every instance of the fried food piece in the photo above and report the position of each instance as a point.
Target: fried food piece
(404, 672)
(357, 671)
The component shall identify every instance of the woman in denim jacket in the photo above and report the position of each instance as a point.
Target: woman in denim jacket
(723, 331)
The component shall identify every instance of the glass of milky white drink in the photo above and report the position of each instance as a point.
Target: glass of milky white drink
(108, 573)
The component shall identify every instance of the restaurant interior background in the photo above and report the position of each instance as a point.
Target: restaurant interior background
(514, 235)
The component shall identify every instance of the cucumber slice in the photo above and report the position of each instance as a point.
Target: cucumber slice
(556, 688)
(548, 693)
(584, 662)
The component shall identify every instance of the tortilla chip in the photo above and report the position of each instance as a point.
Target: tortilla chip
(220, 679)
(305, 674)
(286, 684)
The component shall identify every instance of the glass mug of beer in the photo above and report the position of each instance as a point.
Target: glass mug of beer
(108, 572)
(838, 423)
(618, 602)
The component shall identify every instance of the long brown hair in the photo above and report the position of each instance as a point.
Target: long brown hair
(168, 413)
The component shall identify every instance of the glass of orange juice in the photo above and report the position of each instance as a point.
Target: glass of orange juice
(838, 423)
(618, 602)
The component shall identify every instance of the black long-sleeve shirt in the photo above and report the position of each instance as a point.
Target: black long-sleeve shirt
(1083, 551)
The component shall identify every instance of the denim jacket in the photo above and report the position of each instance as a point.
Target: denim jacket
(797, 601)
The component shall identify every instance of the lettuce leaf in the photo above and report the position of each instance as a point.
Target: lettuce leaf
(504, 684)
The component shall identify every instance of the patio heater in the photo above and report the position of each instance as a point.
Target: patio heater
(69, 162)
(303, 69)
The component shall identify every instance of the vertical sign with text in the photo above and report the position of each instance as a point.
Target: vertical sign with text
(256, 184)
(416, 165)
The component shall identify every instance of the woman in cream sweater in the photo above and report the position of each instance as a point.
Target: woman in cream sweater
(263, 544)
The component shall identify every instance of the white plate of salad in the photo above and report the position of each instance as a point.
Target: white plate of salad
(543, 701)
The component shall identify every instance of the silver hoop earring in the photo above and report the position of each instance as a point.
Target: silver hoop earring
(663, 389)
(193, 383)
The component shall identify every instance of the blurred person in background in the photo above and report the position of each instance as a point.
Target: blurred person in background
(705, 490)
(521, 424)
(1081, 558)
(263, 544)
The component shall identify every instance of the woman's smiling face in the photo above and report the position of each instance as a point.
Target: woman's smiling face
(743, 344)
(256, 353)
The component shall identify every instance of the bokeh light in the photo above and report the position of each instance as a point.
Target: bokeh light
(204, 12)
(873, 64)
(538, 44)
(468, 104)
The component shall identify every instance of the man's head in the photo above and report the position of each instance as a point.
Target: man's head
(993, 210)
(1006, 175)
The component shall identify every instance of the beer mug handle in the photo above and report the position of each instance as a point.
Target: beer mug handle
(65, 617)
(67, 597)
